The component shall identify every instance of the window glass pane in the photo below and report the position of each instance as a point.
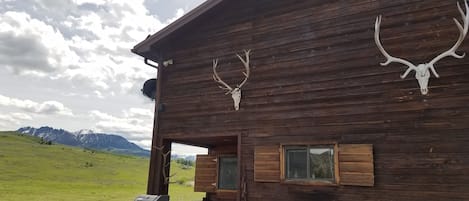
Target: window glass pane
(228, 173)
(321, 164)
(296, 166)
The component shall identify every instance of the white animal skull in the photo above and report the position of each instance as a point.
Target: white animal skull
(422, 74)
(422, 71)
(235, 92)
(236, 95)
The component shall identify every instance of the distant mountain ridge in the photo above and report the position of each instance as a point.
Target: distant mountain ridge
(87, 139)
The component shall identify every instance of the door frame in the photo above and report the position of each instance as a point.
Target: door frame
(187, 141)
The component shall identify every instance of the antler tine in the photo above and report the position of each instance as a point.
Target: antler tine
(246, 65)
(462, 35)
(390, 58)
(218, 79)
(159, 148)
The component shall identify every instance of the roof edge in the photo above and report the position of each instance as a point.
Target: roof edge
(146, 44)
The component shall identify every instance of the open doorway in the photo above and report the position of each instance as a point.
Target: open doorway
(182, 172)
(217, 173)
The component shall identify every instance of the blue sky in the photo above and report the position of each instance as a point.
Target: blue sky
(67, 64)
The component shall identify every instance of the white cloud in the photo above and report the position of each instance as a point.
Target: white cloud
(21, 116)
(98, 2)
(138, 113)
(135, 124)
(28, 45)
(182, 149)
(47, 107)
(98, 94)
(78, 51)
(146, 144)
(118, 26)
(7, 120)
(93, 54)
(179, 13)
(102, 116)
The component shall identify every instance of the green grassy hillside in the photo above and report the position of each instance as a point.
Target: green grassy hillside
(182, 184)
(33, 171)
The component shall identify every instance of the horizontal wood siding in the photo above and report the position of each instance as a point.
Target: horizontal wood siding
(205, 173)
(218, 194)
(315, 76)
(267, 164)
(356, 164)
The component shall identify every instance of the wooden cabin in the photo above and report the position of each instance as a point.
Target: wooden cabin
(319, 117)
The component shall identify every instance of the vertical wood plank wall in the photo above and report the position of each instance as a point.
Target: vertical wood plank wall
(315, 76)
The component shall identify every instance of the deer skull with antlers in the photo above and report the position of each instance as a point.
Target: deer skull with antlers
(422, 71)
(235, 92)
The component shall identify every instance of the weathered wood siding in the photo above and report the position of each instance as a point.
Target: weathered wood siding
(316, 77)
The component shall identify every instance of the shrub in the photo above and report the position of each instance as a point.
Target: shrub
(185, 162)
(89, 164)
(181, 181)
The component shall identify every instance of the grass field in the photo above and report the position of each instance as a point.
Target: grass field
(181, 187)
(33, 171)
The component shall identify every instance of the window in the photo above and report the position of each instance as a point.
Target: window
(228, 173)
(322, 164)
(310, 163)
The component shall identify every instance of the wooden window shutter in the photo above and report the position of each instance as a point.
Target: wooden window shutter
(205, 173)
(267, 164)
(356, 164)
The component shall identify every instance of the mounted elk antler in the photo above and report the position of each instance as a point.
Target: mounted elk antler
(422, 71)
(235, 92)
(165, 164)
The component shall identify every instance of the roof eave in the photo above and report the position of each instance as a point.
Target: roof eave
(145, 46)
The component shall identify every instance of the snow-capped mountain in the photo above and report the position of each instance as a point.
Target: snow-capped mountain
(84, 132)
(87, 139)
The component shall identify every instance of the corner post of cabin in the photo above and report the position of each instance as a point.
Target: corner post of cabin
(241, 171)
(165, 166)
(155, 180)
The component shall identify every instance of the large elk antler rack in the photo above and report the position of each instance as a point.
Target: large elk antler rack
(235, 92)
(422, 71)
